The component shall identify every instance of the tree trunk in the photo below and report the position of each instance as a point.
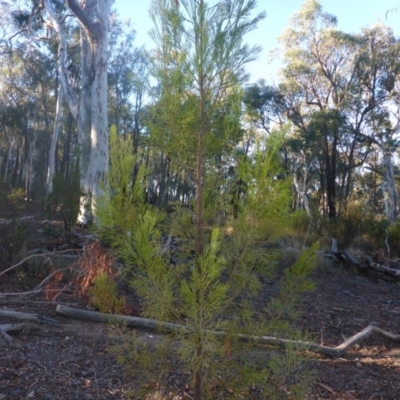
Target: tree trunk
(90, 111)
(391, 197)
(52, 153)
(65, 166)
(31, 168)
(330, 165)
(99, 135)
(8, 159)
(302, 193)
(85, 122)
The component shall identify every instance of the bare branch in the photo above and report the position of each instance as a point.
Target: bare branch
(56, 253)
(70, 95)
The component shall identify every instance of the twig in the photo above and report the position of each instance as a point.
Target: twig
(49, 277)
(21, 293)
(27, 301)
(6, 336)
(352, 295)
(61, 291)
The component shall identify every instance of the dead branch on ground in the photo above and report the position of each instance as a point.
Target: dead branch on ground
(367, 263)
(41, 319)
(145, 323)
(395, 273)
(22, 294)
(55, 253)
(4, 328)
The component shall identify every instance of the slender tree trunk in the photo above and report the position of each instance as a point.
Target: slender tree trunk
(84, 122)
(52, 153)
(330, 165)
(301, 193)
(66, 159)
(199, 172)
(391, 199)
(8, 159)
(32, 157)
(17, 166)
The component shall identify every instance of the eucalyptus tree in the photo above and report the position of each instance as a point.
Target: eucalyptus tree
(264, 105)
(27, 81)
(89, 107)
(378, 90)
(319, 73)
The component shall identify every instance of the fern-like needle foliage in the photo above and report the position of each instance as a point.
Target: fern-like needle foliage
(218, 291)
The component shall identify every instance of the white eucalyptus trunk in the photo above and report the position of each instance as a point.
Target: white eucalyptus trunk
(30, 171)
(9, 157)
(90, 111)
(99, 135)
(69, 93)
(85, 117)
(53, 146)
(301, 189)
(391, 198)
(301, 193)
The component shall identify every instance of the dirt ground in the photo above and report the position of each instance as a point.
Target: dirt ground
(72, 362)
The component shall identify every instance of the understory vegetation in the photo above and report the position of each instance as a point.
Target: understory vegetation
(212, 292)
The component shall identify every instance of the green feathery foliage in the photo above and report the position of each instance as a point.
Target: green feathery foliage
(222, 248)
(103, 294)
(123, 206)
(219, 291)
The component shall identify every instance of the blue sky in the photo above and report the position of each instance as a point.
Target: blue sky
(352, 15)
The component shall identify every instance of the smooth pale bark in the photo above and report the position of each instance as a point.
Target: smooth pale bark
(90, 111)
(301, 189)
(391, 198)
(389, 184)
(30, 150)
(99, 135)
(69, 93)
(84, 119)
(52, 153)
(8, 159)
(302, 194)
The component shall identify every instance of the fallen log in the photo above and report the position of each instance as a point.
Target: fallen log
(12, 327)
(395, 273)
(168, 327)
(29, 317)
(367, 263)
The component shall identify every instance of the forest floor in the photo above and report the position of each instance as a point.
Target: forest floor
(72, 361)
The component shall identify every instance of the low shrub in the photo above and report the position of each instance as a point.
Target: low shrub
(103, 294)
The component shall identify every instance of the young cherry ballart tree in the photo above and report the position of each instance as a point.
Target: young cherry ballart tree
(208, 293)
